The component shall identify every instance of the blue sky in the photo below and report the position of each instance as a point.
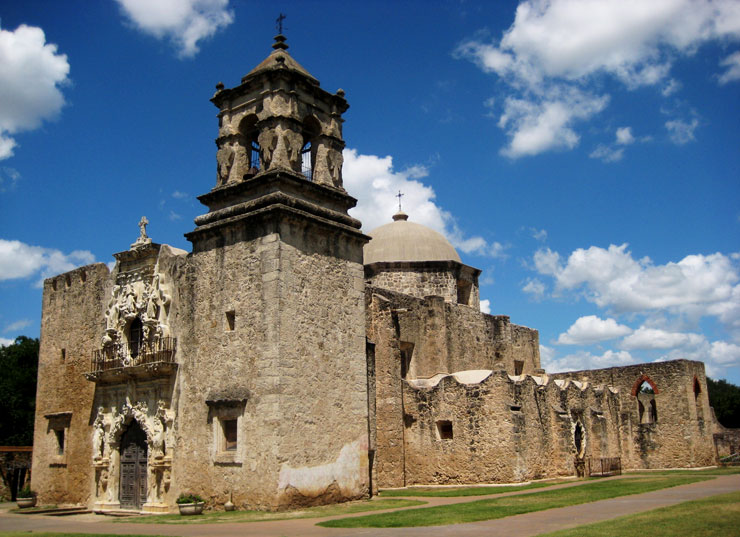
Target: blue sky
(584, 154)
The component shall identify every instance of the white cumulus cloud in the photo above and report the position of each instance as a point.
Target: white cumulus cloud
(535, 288)
(485, 306)
(31, 74)
(537, 125)
(375, 183)
(20, 260)
(732, 64)
(584, 360)
(694, 287)
(655, 338)
(592, 329)
(4, 342)
(184, 22)
(681, 132)
(554, 47)
(18, 325)
(624, 136)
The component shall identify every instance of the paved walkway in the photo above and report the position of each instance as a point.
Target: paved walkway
(516, 526)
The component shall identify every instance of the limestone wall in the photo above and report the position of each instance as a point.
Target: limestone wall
(421, 279)
(229, 366)
(483, 426)
(71, 326)
(682, 434)
(421, 338)
(418, 283)
(292, 368)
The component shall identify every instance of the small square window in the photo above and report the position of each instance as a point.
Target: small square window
(59, 434)
(444, 430)
(230, 434)
(230, 320)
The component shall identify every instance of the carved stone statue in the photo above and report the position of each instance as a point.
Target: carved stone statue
(224, 161)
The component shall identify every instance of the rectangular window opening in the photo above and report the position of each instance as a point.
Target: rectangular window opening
(518, 367)
(63, 355)
(59, 433)
(463, 291)
(230, 434)
(444, 429)
(230, 320)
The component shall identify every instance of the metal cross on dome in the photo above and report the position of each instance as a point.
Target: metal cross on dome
(399, 196)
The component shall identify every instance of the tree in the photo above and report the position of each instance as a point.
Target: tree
(725, 398)
(18, 369)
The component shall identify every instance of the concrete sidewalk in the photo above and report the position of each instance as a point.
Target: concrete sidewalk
(516, 526)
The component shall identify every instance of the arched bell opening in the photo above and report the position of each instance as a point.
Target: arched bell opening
(249, 139)
(311, 132)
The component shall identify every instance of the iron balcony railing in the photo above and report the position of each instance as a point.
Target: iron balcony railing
(121, 355)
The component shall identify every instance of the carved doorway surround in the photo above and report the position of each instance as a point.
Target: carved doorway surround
(133, 489)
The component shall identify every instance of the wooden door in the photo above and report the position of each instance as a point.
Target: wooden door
(133, 467)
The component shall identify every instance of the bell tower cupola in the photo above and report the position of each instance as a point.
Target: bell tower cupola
(279, 118)
(279, 151)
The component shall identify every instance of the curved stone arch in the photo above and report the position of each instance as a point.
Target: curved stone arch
(644, 378)
(136, 412)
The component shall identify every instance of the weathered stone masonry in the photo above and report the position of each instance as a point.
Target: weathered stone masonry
(287, 361)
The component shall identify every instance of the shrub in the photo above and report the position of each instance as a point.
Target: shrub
(26, 492)
(189, 498)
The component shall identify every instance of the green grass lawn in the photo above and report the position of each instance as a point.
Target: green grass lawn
(514, 505)
(722, 470)
(256, 516)
(716, 516)
(466, 491)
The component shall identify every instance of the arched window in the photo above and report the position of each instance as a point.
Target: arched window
(135, 337)
(578, 439)
(307, 161)
(249, 138)
(697, 388)
(311, 131)
(646, 406)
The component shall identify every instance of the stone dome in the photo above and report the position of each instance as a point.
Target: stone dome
(402, 240)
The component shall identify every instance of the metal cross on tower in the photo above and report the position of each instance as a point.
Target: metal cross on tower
(279, 23)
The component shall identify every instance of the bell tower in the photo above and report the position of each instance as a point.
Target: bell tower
(277, 340)
(279, 118)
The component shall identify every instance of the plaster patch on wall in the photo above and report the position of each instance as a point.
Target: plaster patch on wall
(349, 471)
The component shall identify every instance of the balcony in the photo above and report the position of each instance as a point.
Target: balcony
(119, 362)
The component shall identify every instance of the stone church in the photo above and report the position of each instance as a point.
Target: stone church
(290, 359)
